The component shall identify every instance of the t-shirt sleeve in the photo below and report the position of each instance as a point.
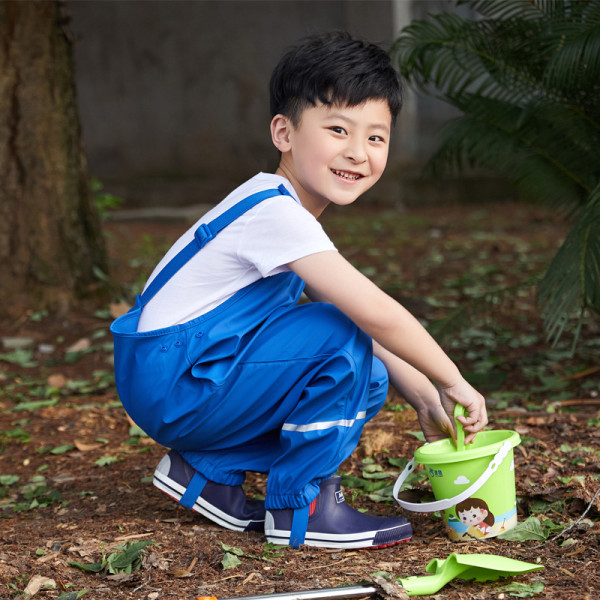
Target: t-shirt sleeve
(278, 232)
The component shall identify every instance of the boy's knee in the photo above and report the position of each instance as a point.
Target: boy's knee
(326, 320)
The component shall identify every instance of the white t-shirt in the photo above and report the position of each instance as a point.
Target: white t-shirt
(260, 243)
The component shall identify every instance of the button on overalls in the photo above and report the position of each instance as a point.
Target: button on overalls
(258, 383)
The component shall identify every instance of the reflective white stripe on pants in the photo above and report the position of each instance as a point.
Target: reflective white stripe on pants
(324, 424)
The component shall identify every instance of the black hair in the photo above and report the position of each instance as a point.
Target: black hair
(333, 68)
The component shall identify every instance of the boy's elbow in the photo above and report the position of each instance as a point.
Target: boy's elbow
(378, 317)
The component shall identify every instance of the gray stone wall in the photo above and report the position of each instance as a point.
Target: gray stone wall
(173, 95)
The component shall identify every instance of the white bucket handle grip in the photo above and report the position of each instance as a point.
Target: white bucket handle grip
(449, 502)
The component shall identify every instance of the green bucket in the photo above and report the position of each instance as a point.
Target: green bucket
(473, 485)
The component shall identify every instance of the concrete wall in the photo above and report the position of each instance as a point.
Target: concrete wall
(173, 95)
(177, 92)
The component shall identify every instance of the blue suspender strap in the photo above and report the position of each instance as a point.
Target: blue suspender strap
(203, 235)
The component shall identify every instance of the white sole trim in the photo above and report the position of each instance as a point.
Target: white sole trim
(175, 490)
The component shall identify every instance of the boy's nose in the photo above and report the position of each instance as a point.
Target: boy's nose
(355, 151)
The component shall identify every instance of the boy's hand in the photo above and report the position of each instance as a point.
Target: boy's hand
(435, 423)
(464, 394)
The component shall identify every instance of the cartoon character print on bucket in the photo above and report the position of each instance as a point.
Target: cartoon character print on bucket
(475, 514)
(473, 485)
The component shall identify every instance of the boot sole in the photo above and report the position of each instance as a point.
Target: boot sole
(175, 491)
(325, 540)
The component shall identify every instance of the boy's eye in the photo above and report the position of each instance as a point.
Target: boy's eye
(337, 129)
(376, 138)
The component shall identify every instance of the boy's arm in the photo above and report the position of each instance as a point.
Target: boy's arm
(331, 278)
(413, 386)
(420, 393)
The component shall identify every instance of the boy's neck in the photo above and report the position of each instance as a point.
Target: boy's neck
(314, 207)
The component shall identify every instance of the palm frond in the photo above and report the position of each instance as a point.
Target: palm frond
(477, 307)
(570, 286)
(526, 77)
(459, 56)
(543, 161)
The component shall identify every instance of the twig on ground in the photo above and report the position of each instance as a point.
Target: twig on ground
(568, 528)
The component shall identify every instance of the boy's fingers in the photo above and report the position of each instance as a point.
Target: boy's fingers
(449, 431)
(472, 425)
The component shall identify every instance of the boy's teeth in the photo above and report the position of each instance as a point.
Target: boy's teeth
(346, 175)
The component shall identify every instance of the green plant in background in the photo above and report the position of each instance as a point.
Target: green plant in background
(525, 75)
(104, 201)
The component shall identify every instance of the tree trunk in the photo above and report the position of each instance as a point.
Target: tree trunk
(51, 243)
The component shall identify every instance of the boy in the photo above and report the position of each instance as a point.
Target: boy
(218, 362)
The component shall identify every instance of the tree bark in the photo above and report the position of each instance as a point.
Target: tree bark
(51, 242)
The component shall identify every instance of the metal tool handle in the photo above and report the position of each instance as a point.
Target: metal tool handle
(357, 591)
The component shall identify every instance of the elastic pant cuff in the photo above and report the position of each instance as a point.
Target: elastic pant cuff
(212, 473)
(297, 500)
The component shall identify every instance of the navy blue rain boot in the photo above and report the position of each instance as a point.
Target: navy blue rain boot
(330, 523)
(226, 505)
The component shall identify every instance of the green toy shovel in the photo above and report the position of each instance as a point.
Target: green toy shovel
(481, 567)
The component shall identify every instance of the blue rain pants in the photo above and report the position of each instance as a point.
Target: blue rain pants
(259, 383)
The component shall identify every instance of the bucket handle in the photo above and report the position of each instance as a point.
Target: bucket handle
(449, 502)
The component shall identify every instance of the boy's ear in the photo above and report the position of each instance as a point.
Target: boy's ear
(281, 129)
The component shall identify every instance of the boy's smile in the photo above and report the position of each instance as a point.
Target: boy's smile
(336, 153)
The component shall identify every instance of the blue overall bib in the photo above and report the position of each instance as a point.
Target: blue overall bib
(258, 383)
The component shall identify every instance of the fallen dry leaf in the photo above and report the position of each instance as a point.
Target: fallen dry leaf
(536, 421)
(36, 583)
(80, 345)
(390, 589)
(57, 381)
(181, 573)
(153, 560)
(87, 549)
(120, 577)
(118, 308)
(83, 447)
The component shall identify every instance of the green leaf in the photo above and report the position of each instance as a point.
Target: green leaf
(230, 561)
(400, 463)
(21, 357)
(135, 431)
(103, 461)
(90, 567)
(72, 595)
(523, 590)
(383, 574)
(8, 479)
(62, 449)
(128, 559)
(362, 484)
(375, 475)
(18, 433)
(232, 549)
(568, 542)
(35, 404)
(529, 529)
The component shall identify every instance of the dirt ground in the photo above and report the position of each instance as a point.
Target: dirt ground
(84, 475)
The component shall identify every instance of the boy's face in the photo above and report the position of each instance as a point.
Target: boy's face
(336, 153)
